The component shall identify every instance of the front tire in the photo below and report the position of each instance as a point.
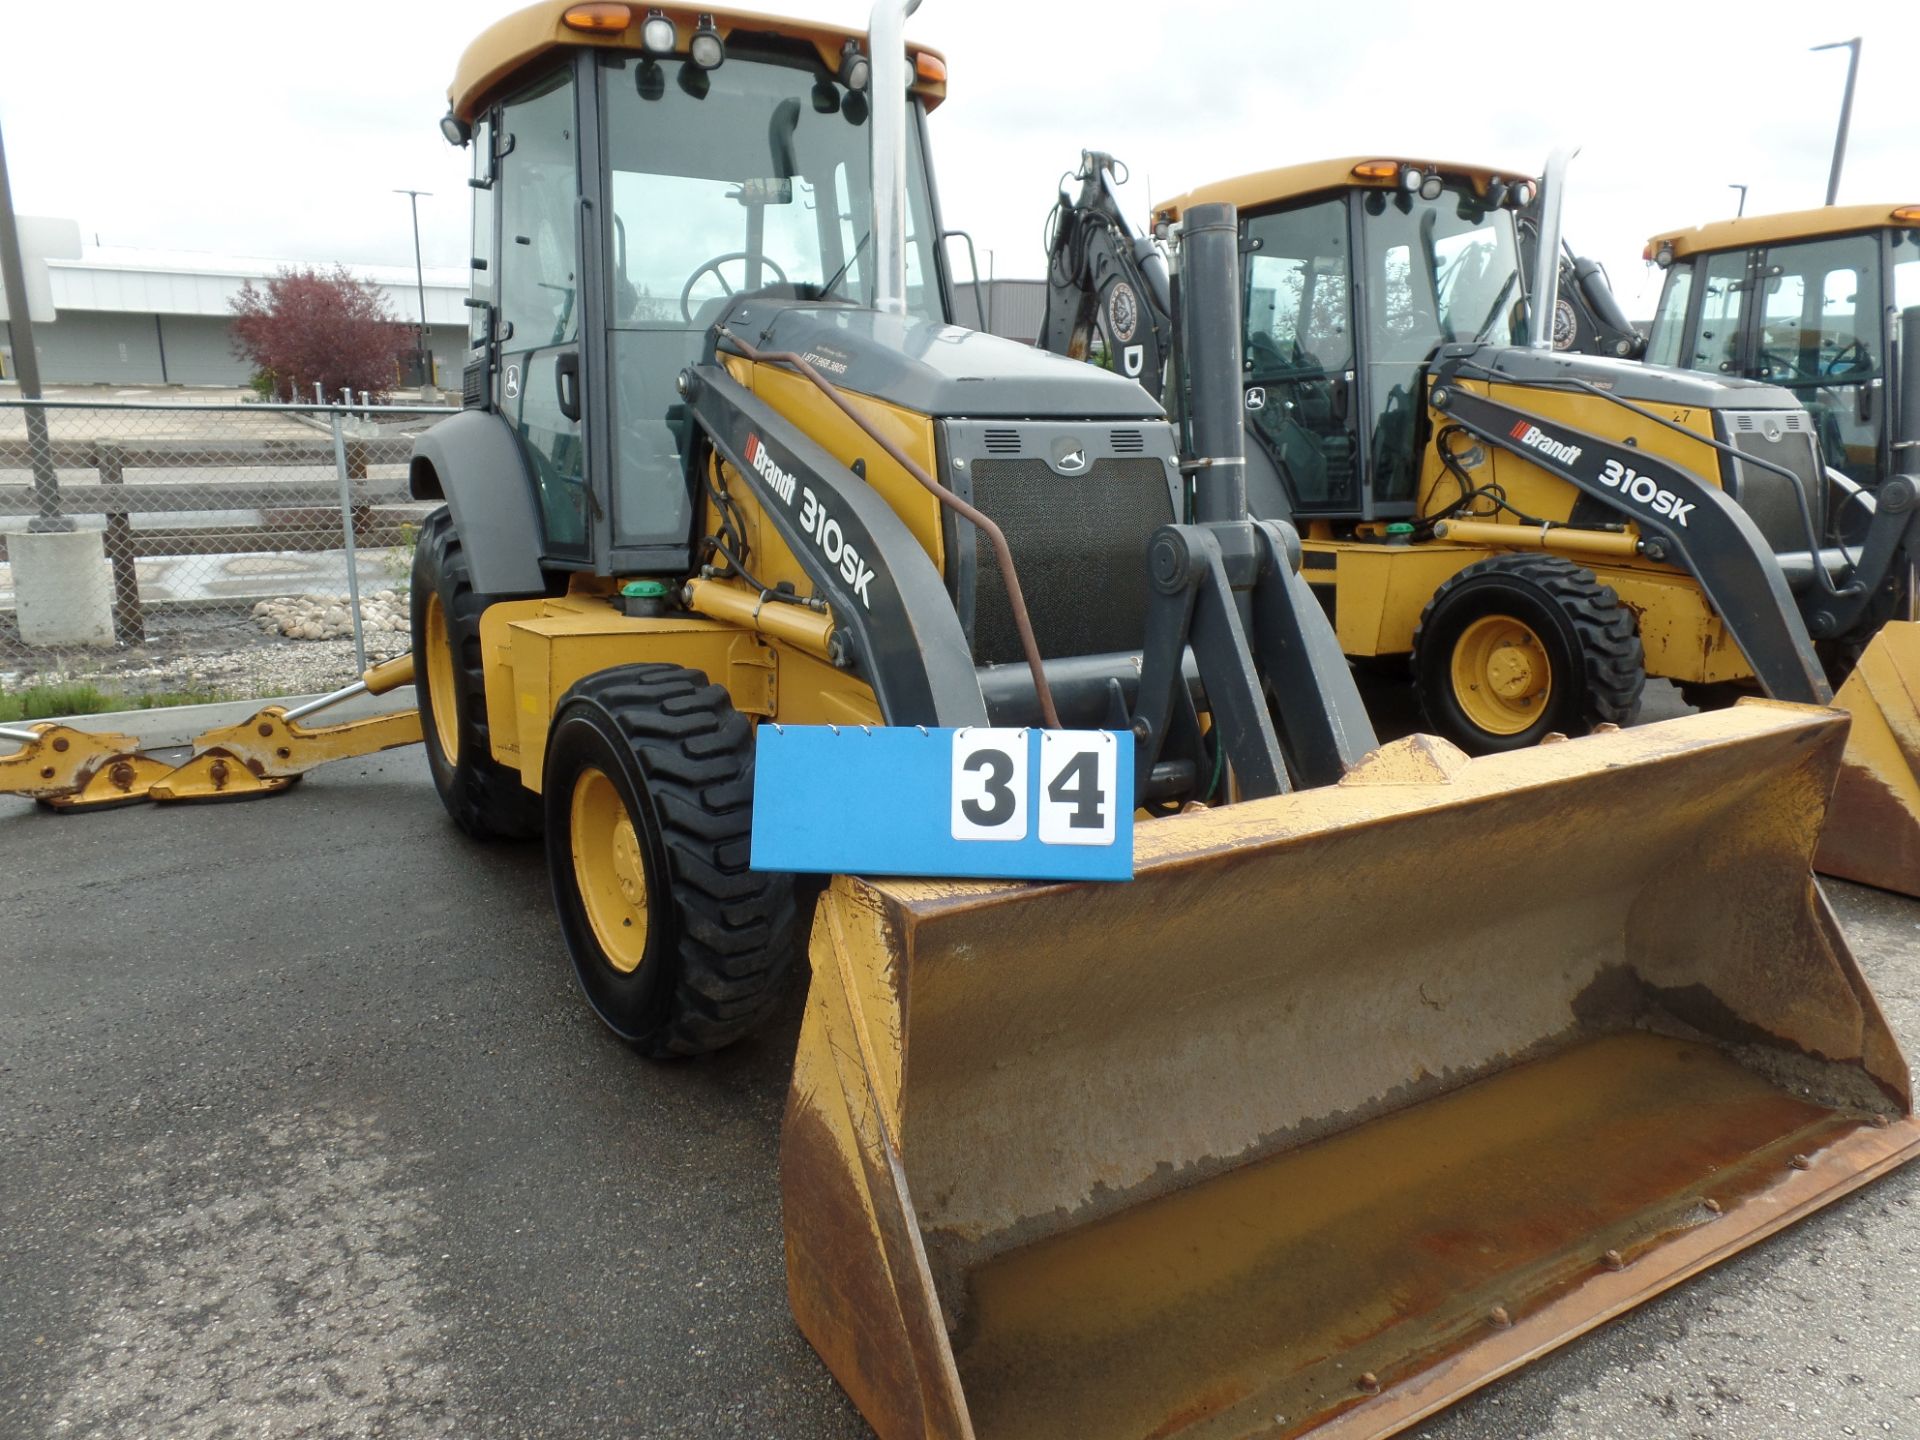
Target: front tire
(485, 798)
(678, 945)
(1519, 646)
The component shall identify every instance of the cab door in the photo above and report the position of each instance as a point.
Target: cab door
(1299, 356)
(1819, 331)
(537, 379)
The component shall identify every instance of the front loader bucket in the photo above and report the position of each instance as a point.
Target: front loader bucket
(1873, 829)
(1350, 1101)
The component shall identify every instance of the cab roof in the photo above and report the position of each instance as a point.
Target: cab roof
(1751, 230)
(509, 46)
(1271, 187)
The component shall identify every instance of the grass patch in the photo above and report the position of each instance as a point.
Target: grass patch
(43, 702)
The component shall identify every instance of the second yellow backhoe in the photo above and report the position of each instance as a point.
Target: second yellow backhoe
(1528, 534)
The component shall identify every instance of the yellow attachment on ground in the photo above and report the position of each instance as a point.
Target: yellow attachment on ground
(267, 752)
(71, 769)
(1352, 1100)
(1873, 829)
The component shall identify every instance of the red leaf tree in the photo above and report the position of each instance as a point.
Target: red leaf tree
(308, 325)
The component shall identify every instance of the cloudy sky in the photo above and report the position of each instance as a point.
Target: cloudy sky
(175, 125)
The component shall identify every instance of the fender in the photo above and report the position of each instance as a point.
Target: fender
(473, 461)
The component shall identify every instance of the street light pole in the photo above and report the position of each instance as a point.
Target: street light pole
(26, 366)
(420, 279)
(1846, 113)
(1743, 200)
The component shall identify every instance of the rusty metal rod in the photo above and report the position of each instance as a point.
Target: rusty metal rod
(1016, 601)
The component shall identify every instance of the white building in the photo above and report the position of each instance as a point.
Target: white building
(115, 316)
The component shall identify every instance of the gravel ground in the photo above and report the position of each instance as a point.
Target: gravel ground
(198, 650)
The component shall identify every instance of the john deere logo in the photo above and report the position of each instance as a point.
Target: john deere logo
(512, 384)
(1069, 456)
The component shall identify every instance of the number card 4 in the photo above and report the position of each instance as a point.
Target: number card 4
(975, 802)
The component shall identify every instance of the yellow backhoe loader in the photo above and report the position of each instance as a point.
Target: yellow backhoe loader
(1389, 1069)
(1825, 304)
(1538, 532)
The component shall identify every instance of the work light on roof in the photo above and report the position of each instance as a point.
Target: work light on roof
(1523, 193)
(706, 51)
(454, 128)
(854, 68)
(657, 35)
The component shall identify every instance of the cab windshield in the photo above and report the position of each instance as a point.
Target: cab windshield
(1446, 270)
(752, 177)
(1438, 272)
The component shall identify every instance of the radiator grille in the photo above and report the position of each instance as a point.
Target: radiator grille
(1080, 545)
(1780, 437)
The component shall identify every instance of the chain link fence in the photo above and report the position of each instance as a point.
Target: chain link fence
(216, 550)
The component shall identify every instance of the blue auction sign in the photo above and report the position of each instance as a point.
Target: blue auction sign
(976, 803)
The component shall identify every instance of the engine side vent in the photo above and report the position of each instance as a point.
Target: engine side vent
(473, 392)
(1128, 442)
(1755, 422)
(1002, 442)
(1782, 438)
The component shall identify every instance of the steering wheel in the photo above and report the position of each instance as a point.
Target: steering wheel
(686, 290)
(1832, 366)
(1781, 367)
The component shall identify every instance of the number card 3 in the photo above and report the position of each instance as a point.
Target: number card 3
(989, 784)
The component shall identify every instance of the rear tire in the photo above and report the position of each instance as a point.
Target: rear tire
(485, 798)
(1518, 646)
(648, 791)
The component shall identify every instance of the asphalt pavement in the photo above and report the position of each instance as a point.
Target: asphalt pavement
(304, 1131)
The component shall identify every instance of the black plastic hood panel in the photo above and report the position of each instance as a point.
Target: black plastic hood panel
(1629, 379)
(938, 370)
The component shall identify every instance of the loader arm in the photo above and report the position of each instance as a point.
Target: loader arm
(1102, 276)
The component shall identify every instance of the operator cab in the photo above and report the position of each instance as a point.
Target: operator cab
(627, 195)
(1351, 284)
(1804, 301)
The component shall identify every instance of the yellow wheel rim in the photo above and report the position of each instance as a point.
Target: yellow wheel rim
(609, 869)
(1502, 676)
(440, 687)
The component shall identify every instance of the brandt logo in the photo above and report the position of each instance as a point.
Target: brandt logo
(778, 480)
(1534, 438)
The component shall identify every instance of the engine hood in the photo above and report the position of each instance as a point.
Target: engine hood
(939, 370)
(1628, 379)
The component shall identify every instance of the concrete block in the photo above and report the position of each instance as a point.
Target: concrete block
(62, 588)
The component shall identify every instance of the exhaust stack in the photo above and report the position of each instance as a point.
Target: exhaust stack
(1546, 256)
(887, 88)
